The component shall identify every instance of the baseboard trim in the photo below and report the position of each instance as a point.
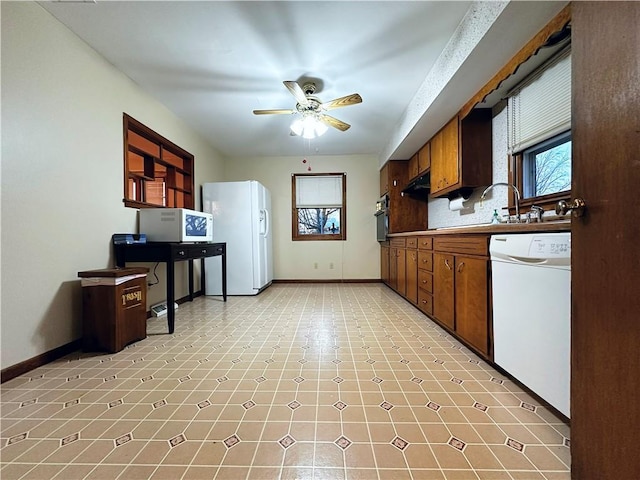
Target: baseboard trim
(47, 357)
(39, 360)
(343, 280)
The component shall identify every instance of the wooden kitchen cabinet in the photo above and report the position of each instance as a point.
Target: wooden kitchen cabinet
(425, 274)
(403, 267)
(413, 167)
(397, 265)
(461, 154)
(461, 288)
(384, 179)
(424, 158)
(406, 213)
(443, 284)
(471, 301)
(384, 264)
(393, 268)
(411, 267)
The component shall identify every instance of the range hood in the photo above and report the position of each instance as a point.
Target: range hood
(419, 185)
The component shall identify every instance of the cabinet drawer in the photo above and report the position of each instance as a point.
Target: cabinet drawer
(425, 243)
(412, 242)
(425, 302)
(425, 261)
(398, 242)
(467, 244)
(425, 281)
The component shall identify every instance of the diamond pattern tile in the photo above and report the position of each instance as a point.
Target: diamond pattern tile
(217, 400)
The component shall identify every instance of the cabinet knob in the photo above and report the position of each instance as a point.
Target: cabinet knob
(460, 266)
(446, 262)
(181, 252)
(204, 250)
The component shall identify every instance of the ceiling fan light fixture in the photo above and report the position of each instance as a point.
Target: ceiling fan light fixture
(308, 127)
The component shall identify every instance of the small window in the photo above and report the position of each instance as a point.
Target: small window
(546, 168)
(320, 210)
(157, 173)
(539, 133)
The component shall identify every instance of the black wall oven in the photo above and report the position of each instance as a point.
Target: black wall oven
(382, 218)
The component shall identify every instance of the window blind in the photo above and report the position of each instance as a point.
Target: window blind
(540, 107)
(319, 191)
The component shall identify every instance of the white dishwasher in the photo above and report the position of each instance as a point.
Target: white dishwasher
(531, 283)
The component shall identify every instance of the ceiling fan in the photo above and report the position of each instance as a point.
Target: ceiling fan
(314, 121)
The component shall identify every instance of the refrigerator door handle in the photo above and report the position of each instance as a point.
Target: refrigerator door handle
(267, 221)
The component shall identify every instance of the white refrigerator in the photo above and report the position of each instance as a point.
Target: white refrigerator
(242, 219)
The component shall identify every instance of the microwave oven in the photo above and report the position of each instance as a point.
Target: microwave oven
(176, 225)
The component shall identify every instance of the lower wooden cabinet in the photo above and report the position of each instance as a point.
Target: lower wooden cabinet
(472, 297)
(384, 264)
(443, 289)
(447, 278)
(461, 289)
(425, 302)
(411, 277)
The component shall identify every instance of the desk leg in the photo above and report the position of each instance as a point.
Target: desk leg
(224, 274)
(191, 280)
(171, 313)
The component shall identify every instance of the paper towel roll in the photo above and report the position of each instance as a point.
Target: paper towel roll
(457, 204)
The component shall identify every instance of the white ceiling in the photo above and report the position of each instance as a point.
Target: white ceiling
(213, 62)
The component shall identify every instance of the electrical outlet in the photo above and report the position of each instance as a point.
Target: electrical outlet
(315, 266)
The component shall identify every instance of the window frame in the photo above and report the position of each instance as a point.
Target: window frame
(178, 182)
(295, 235)
(518, 164)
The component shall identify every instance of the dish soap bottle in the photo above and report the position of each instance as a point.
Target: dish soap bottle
(495, 218)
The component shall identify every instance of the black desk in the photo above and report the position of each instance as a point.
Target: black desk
(171, 253)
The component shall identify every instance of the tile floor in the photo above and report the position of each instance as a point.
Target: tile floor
(322, 381)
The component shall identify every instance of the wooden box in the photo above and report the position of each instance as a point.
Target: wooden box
(114, 308)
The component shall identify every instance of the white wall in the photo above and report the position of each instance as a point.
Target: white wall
(356, 258)
(62, 175)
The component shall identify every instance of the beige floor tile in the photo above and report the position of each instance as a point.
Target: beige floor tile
(388, 456)
(393, 474)
(299, 455)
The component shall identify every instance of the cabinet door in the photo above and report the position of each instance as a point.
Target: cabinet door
(471, 301)
(401, 285)
(450, 151)
(436, 163)
(443, 299)
(384, 264)
(412, 276)
(413, 167)
(384, 180)
(444, 157)
(393, 268)
(424, 158)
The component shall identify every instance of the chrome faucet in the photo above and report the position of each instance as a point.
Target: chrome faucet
(515, 191)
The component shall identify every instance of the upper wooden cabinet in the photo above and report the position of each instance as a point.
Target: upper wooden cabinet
(406, 213)
(461, 154)
(414, 168)
(424, 158)
(420, 162)
(384, 179)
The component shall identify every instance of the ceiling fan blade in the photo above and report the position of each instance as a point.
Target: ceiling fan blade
(334, 122)
(345, 101)
(272, 112)
(296, 91)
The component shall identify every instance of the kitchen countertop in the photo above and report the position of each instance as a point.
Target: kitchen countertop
(549, 226)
